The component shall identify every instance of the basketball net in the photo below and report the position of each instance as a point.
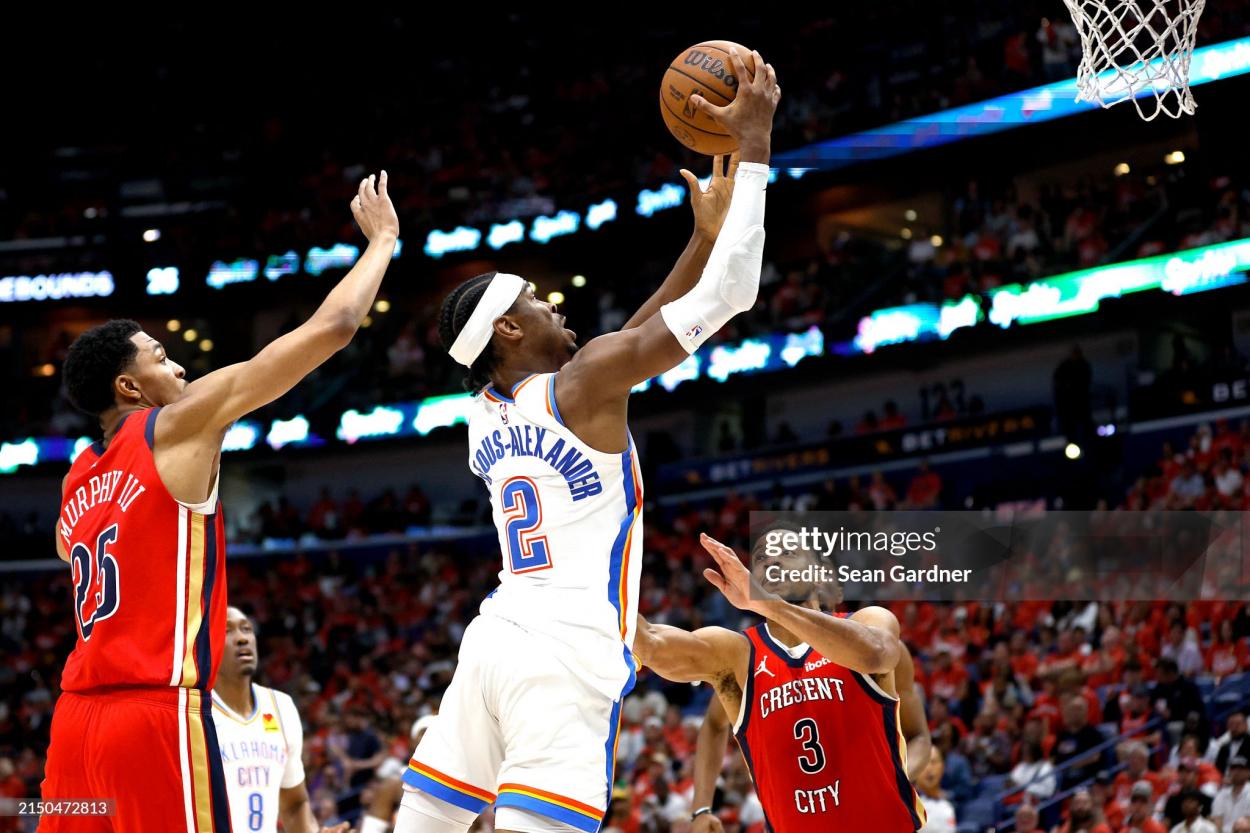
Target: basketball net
(1131, 47)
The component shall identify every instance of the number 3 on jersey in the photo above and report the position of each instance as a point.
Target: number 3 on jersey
(96, 593)
(527, 551)
(807, 732)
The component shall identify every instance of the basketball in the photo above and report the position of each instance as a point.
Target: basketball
(706, 69)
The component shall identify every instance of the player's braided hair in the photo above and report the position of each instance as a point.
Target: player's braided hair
(457, 307)
(94, 360)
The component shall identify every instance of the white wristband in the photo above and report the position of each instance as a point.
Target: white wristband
(746, 207)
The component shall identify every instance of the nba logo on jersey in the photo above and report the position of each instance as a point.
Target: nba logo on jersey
(694, 332)
(503, 412)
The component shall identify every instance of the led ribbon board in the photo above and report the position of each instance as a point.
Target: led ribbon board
(1069, 294)
(1074, 293)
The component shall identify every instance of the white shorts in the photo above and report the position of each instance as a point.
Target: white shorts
(518, 729)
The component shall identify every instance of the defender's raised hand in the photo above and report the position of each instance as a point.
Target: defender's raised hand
(734, 579)
(373, 210)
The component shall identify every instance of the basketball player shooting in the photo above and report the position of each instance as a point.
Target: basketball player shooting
(142, 528)
(828, 702)
(530, 719)
(261, 740)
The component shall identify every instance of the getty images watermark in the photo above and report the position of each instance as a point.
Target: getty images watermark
(1001, 556)
(830, 545)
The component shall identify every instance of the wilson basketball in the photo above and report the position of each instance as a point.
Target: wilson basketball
(706, 69)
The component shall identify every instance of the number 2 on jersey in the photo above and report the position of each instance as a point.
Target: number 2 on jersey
(527, 550)
(95, 582)
(805, 730)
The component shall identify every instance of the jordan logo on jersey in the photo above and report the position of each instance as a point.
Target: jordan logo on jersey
(762, 668)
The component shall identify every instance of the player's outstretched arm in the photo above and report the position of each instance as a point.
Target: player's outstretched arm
(709, 757)
(709, 208)
(212, 403)
(608, 366)
(683, 656)
(868, 644)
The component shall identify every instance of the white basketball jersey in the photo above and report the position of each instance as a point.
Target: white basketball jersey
(570, 530)
(261, 755)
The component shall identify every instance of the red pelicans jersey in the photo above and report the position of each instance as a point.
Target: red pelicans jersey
(823, 744)
(149, 579)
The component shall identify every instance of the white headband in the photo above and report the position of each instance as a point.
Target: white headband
(498, 298)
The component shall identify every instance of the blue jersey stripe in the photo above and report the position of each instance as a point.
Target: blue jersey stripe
(551, 399)
(877, 696)
(149, 429)
(609, 748)
(573, 818)
(748, 691)
(618, 546)
(219, 799)
(204, 639)
(748, 698)
(452, 796)
(521, 382)
(493, 391)
(750, 761)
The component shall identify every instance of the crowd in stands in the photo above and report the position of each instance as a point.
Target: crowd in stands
(993, 237)
(507, 150)
(1211, 470)
(328, 519)
(1022, 698)
(1063, 716)
(474, 164)
(1209, 473)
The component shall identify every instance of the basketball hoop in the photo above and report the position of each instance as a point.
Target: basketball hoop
(1134, 48)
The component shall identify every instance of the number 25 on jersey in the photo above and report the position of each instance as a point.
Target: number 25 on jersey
(527, 548)
(96, 591)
